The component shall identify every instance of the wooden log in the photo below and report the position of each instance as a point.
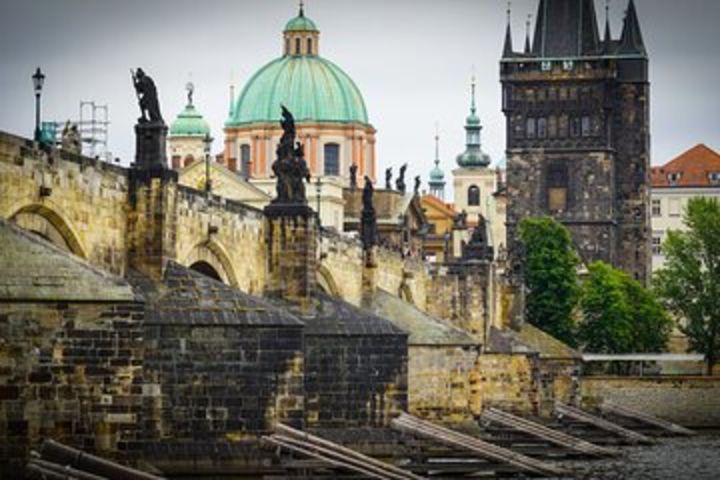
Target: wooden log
(416, 426)
(327, 456)
(645, 418)
(601, 423)
(64, 455)
(540, 431)
(65, 471)
(313, 439)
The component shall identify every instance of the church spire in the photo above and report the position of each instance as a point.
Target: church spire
(437, 176)
(301, 13)
(508, 47)
(473, 155)
(631, 40)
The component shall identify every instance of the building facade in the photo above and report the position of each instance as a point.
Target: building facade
(694, 173)
(578, 133)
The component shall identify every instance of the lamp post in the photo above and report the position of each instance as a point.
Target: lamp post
(208, 142)
(38, 79)
(318, 190)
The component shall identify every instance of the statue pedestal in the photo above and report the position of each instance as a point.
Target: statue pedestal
(150, 145)
(291, 243)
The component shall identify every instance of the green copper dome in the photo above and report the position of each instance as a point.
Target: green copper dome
(436, 174)
(189, 124)
(311, 87)
(301, 24)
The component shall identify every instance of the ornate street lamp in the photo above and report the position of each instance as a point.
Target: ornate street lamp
(208, 142)
(38, 80)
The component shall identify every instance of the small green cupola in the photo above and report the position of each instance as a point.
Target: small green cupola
(189, 123)
(301, 35)
(437, 176)
(473, 155)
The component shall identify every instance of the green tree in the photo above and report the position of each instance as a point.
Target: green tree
(550, 275)
(619, 314)
(689, 282)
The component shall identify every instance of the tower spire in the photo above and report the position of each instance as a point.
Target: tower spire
(437, 145)
(302, 9)
(631, 40)
(527, 33)
(473, 109)
(608, 36)
(508, 47)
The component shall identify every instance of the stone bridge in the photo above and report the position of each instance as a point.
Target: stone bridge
(87, 207)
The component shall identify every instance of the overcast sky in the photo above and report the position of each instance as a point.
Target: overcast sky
(412, 60)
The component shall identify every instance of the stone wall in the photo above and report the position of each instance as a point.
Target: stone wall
(690, 401)
(439, 385)
(340, 267)
(76, 202)
(72, 372)
(354, 380)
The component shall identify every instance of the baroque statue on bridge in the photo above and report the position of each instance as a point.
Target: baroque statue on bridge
(290, 167)
(147, 97)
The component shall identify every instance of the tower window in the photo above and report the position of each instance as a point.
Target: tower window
(332, 158)
(552, 126)
(541, 128)
(557, 182)
(586, 127)
(546, 66)
(245, 160)
(287, 46)
(473, 196)
(574, 127)
(563, 126)
(309, 46)
(297, 46)
(530, 128)
(656, 207)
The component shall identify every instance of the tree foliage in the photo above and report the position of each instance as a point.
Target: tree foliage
(689, 282)
(550, 275)
(619, 314)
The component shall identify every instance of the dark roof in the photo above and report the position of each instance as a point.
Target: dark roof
(507, 46)
(693, 166)
(565, 28)
(189, 297)
(330, 316)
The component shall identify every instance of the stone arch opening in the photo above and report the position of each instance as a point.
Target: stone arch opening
(327, 283)
(206, 269)
(50, 225)
(211, 259)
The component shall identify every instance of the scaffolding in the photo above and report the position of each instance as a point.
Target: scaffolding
(93, 128)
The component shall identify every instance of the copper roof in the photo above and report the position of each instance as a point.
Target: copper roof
(693, 166)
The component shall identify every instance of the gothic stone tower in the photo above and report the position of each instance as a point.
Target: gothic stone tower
(578, 134)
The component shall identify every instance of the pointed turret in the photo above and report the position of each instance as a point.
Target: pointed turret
(607, 40)
(631, 41)
(527, 35)
(508, 46)
(566, 28)
(473, 156)
(437, 176)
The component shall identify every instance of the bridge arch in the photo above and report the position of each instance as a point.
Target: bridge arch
(211, 258)
(48, 222)
(326, 282)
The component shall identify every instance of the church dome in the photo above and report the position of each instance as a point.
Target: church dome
(436, 174)
(189, 123)
(311, 87)
(301, 24)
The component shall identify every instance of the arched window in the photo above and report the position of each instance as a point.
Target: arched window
(557, 183)
(473, 196)
(332, 158)
(245, 160)
(188, 160)
(530, 128)
(541, 127)
(287, 46)
(309, 46)
(297, 46)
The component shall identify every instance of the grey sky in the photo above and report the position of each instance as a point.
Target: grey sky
(412, 60)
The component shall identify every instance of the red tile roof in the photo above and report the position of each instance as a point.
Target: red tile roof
(694, 167)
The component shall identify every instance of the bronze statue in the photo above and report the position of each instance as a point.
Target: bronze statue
(290, 167)
(400, 182)
(417, 185)
(368, 220)
(388, 178)
(147, 98)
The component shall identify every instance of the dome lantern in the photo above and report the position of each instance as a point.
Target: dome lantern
(301, 35)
